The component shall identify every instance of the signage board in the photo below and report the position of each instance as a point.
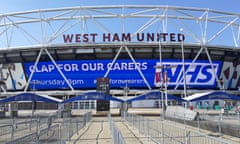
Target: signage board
(103, 87)
(83, 74)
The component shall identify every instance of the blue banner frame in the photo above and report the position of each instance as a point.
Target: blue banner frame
(82, 74)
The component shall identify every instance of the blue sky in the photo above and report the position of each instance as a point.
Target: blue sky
(11, 6)
(22, 5)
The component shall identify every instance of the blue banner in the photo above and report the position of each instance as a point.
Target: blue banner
(82, 74)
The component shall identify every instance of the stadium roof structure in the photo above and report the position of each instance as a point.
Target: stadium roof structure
(41, 34)
(93, 96)
(30, 97)
(212, 95)
(154, 95)
(118, 31)
(45, 27)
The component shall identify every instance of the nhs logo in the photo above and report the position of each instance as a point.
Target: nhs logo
(198, 74)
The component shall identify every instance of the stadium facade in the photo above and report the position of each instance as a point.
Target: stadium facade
(62, 51)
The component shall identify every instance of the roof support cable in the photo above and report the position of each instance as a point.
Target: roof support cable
(59, 70)
(222, 30)
(138, 68)
(34, 69)
(212, 67)
(114, 60)
(234, 37)
(186, 70)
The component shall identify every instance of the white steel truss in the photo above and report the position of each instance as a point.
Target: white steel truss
(45, 27)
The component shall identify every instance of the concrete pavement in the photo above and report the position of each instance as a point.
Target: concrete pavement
(98, 131)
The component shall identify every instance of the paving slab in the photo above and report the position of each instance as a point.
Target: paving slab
(98, 131)
(131, 136)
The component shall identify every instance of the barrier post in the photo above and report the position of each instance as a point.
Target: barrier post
(163, 131)
(139, 125)
(219, 126)
(59, 134)
(69, 131)
(187, 138)
(198, 120)
(77, 126)
(38, 131)
(13, 127)
(148, 128)
(132, 122)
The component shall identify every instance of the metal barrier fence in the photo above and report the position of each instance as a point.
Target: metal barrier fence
(167, 132)
(52, 130)
(228, 124)
(16, 128)
(117, 136)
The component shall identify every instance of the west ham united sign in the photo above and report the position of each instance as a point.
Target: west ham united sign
(123, 37)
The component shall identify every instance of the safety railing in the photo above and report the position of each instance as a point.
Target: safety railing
(48, 130)
(164, 131)
(16, 128)
(228, 123)
(117, 136)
